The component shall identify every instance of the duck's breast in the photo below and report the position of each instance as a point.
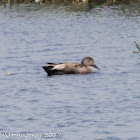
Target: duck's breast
(84, 69)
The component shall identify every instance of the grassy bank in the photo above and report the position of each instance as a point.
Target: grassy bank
(5, 2)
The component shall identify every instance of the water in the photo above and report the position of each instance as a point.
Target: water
(104, 105)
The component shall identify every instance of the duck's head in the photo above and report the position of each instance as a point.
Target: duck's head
(88, 61)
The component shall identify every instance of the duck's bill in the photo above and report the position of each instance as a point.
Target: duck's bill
(96, 67)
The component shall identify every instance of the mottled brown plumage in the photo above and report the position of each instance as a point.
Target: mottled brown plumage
(71, 68)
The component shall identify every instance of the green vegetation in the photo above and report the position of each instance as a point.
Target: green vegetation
(138, 47)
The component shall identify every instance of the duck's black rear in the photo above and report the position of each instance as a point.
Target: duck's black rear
(50, 71)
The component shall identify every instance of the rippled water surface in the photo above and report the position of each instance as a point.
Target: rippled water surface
(104, 105)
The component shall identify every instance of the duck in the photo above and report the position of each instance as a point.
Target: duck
(84, 67)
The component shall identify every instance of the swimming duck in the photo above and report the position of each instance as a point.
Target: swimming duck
(71, 68)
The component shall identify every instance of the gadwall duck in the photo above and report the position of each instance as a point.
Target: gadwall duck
(71, 68)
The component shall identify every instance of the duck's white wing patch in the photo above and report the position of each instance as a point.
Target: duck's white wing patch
(59, 67)
(37, 0)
